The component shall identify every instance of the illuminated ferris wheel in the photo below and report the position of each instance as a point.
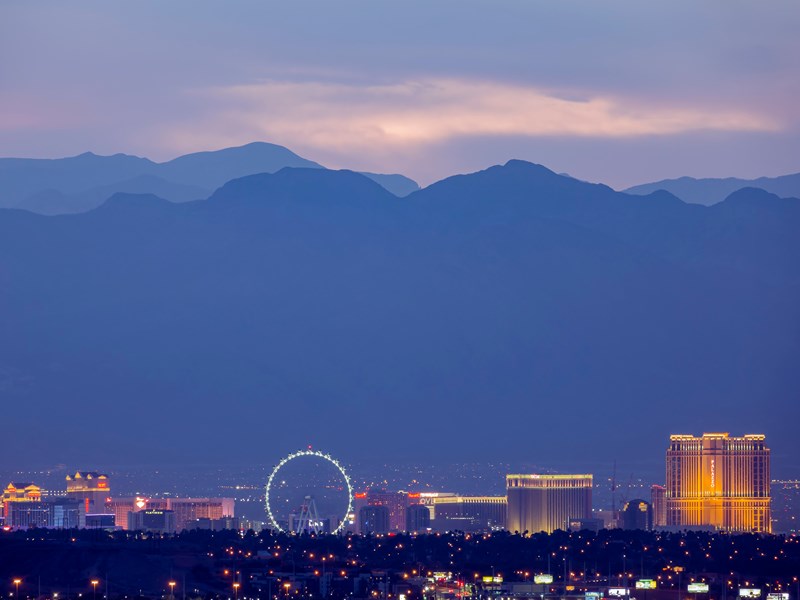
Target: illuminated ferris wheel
(308, 519)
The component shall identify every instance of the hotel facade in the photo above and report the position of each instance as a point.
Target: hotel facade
(719, 482)
(547, 502)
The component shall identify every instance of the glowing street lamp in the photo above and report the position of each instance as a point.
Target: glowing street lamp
(172, 589)
(16, 584)
(236, 589)
(95, 583)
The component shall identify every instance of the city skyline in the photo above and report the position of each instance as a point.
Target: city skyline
(673, 501)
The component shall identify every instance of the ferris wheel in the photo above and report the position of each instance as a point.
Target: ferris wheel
(308, 519)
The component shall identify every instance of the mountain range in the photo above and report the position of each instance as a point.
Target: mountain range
(508, 312)
(710, 191)
(80, 183)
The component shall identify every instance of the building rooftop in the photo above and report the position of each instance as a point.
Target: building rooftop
(87, 475)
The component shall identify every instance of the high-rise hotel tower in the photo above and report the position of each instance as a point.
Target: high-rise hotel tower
(719, 482)
(547, 502)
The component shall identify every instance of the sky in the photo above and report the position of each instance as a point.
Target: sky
(622, 92)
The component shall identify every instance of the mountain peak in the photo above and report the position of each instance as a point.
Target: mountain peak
(755, 199)
(291, 183)
(517, 163)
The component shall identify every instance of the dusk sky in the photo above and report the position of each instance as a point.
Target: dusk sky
(513, 300)
(619, 92)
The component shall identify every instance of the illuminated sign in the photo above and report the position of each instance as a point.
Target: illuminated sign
(646, 584)
(442, 575)
(592, 595)
(544, 578)
(697, 588)
(778, 596)
(570, 588)
(490, 579)
(102, 484)
(618, 592)
(749, 592)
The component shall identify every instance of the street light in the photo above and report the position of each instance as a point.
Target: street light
(236, 590)
(94, 583)
(172, 590)
(16, 583)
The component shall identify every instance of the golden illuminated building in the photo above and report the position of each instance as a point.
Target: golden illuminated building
(20, 492)
(718, 481)
(91, 489)
(547, 502)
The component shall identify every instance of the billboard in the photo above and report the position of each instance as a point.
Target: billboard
(646, 584)
(697, 588)
(592, 595)
(543, 578)
(618, 592)
(749, 592)
(778, 596)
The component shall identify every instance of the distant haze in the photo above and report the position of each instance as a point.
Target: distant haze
(623, 92)
(225, 307)
(508, 315)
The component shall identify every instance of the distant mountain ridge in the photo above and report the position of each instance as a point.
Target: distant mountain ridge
(80, 183)
(54, 202)
(710, 191)
(500, 305)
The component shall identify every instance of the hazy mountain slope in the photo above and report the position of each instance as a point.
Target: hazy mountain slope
(711, 191)
(399, 185)
(686, 234)
(23, 177)
(487, 313)
(52, 202)
(77, 184)
(212, 169)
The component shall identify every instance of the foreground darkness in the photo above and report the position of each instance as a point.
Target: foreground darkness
(206, 564)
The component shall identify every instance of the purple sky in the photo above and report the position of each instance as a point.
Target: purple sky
(620, 92)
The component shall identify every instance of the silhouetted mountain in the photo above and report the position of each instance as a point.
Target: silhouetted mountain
(490, 313)
(711, 191)
(80, 183)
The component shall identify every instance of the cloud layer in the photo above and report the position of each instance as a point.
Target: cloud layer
(410, 86)
(432, 111)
